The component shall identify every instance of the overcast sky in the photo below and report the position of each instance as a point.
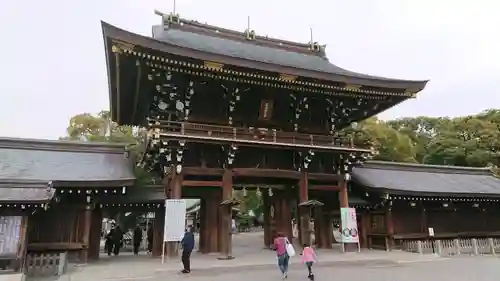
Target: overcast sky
(53, 66)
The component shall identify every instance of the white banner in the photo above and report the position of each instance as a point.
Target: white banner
(175, 220)
(349, 225)
(10, 234)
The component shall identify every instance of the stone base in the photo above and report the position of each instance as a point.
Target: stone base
(12, 277)
(226, 258)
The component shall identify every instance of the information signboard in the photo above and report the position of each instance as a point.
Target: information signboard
(175, 220)
(10, 234)
(349, 225)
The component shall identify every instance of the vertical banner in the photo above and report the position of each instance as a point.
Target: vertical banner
(175, 220)
(10, 235)
(349, 225)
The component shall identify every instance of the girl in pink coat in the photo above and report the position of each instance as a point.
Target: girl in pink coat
(308, 258)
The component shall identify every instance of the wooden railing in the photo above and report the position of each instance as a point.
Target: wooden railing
(46, 264)
(452, 247)
(252, 134)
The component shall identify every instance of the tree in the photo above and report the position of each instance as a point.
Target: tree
(421, 130)
(388, 142)
(466, 141)
(100, 128)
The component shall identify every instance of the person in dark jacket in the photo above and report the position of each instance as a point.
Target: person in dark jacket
(137, 239)
(150, 239)
(117, 240)
(187, 247)
(108, 245)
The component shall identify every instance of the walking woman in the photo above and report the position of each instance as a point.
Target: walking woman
(280, 243)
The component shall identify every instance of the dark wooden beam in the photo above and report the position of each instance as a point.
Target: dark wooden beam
(266, 173)
(259, 143)
(324, 177)
(199, 171)
(325, 187)
(117, 83)
(137, 90)
(192, 183)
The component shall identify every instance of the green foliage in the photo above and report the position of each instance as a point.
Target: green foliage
(100, 128)
(462, 141)
(390, 144)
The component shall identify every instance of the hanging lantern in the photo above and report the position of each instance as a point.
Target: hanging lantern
(258, 193)
(270, 192)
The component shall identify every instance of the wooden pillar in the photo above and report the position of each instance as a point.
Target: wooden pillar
(423, 219)
(268, 239)
(364, 229)
(286, 212)
(278, 212)
(95, 234)
(158, 228)
(389, 223)
(204, 232)
(23, 244)
(304, 215)
(328, 229)
(283, 213)
(320, 229)
(87, 224)
(221, 227)
(226, 211)
(317, 227)
(212, 210)
(343, 194)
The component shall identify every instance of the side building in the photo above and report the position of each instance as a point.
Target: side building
(414, 202)
(50, 192)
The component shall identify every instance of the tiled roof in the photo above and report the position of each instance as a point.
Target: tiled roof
(255, 52)
(25, 192)
(65, 161)
(207, 46)
(427, 179)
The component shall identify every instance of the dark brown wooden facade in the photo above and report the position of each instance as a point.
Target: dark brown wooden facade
(405, 200)
(395, 202)
(54, 186)
(228, 110)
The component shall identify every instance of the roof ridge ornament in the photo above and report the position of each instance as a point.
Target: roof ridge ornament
(249, 34)
(314, 45)
(168, 19)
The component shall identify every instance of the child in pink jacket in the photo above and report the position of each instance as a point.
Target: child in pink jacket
(308, 258)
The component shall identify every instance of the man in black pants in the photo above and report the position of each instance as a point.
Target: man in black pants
(137, 239)
(187, 247)
(117, 240)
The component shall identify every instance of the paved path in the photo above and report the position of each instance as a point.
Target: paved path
(250, 256)
(453, 269)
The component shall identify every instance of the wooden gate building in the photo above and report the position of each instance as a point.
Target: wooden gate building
(228, 109)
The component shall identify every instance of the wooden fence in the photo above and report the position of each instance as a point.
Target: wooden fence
(452, 247)
(46, 264)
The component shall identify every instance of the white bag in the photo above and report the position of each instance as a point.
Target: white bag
(289, 248)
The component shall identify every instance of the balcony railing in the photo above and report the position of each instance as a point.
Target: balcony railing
(264, 135)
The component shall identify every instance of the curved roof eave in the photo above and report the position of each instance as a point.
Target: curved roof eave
(348, 77)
